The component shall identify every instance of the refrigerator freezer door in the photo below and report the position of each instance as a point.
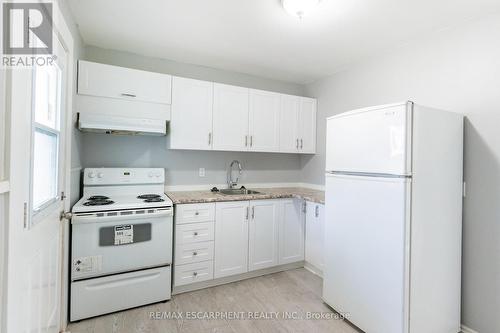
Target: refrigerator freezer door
(370, 141)
(366, 252)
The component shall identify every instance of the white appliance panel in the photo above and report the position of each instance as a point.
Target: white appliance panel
(373, 141)
(366, 250)
(94, 252)
(94, 297)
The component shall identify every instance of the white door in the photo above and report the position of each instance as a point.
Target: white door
(191, 120)
(366, 253)
(315, 234)
(124, 83)
(291, 231)
(289, 124)
(264, 121)
(231, 238)
(230, 123)
(307, 125)
(370, 141)
(39, 173)
(263, 234)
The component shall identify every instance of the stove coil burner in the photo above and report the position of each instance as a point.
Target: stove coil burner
(149, 196)
(98, 197)
(154, 200)
(98, 202)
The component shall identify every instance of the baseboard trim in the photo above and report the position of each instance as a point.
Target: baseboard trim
(466, 329)
(235, 278)
(313, 269)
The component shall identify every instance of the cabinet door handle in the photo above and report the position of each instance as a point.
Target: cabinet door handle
(251, 140)
(247, 214)
(316, 211)
(209, 138)
(195, 253)
(195, 233)
(301, 143)
(253, 212)
(195, 273)
(128, 95)
(246, 140)
(297, 145)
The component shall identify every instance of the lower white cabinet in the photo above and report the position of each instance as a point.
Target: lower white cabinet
(191, 273)
(291, 231)
(244, 236)
(231, 238)
(315, 234)
(194, 243)
(263, 234)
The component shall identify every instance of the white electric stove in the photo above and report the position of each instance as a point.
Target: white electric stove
(121, 241)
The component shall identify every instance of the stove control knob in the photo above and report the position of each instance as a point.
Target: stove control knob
(100, 175)
(92, 174)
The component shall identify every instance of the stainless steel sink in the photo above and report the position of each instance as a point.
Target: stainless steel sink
(237, 191)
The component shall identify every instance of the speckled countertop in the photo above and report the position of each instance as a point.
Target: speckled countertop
(185, 197)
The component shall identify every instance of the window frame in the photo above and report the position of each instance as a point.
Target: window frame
(39, 213)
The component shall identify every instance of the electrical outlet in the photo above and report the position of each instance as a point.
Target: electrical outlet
(201, 172)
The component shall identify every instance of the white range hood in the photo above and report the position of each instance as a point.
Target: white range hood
(112, 124)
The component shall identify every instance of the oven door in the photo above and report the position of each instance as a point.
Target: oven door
(122, 241)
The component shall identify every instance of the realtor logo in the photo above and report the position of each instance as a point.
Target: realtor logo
(27, 28)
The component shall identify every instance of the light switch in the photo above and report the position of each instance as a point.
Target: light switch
(201, 172)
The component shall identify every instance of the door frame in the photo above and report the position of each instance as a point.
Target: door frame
(66, 39)
(63, 33)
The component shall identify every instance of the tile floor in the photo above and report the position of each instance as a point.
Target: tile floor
(293, 292)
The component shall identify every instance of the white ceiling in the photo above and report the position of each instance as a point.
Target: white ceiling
(258, 37)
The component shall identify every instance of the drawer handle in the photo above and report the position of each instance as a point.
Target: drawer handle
(195, 273)
(197, 213)
(195, 253)
(128, 95)
(195, 233)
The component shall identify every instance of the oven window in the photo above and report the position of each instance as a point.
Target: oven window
(142, 233)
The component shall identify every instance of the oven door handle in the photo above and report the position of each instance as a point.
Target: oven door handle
(94, 218)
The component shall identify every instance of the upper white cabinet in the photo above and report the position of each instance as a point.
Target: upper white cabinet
(102, 80)
(315, 235)
(291, 231)
(307, 125)
(264, 121)
(231, 238)
(191, 114)
(263, 234)
(289, 124)
(298, 124)
(230, 125)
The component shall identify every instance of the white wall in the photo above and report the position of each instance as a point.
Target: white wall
(182, 166)
(456, 69)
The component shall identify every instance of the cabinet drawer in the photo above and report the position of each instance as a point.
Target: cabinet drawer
(112, 293)
(191, 273)
(191, 213)
(194, 252)
(194, 232)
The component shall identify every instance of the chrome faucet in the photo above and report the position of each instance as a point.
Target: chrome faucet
(230, 182)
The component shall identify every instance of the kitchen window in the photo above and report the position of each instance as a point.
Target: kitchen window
(46, 113)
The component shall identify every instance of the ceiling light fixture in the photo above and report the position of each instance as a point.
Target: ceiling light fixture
(299, 8)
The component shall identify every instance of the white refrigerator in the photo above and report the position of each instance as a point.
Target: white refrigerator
(394, 218)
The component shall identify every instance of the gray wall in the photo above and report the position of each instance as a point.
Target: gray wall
(456, 69)
(182, 166)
